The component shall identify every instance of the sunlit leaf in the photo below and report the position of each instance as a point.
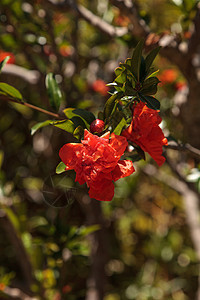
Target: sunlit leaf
(60, 168)
(40, 125)
(3, 62)
(53, 91)
(136, 59)
(10, 91)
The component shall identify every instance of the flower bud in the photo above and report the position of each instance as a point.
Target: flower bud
(97, 126)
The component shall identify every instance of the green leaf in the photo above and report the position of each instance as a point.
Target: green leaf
(152, 73)
(85, 115)
(53, 91)
(150, 58)
(150, 86)
(10, 91)
(78, 132)
(3, 62)
(40, 125)
(66, 125)
(150, 101)
(142, 69)
(60, 168)
(110, 103)
(120, 126)
(136, 59)
(121, 78)
(118, 71)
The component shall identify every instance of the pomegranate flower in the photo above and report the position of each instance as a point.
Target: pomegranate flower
(96, 161)
(144, 131)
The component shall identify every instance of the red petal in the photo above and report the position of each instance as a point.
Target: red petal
(102, 189)
(69, 154)
(124, 168)
(119, 143)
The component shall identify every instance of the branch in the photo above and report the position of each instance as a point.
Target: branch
(87, 15)
(195, 38)
(31, 76)
(20, 252)
(129, 9)
(5, 98)
(99, 250)
(16, 293)
(183, 147)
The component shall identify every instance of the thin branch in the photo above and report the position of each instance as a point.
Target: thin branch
(96, 21)
(16, 293)
(5, 98)
(129, 9)
(183, 147)
(87, 15)
(31, 76)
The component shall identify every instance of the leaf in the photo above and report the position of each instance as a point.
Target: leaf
(78, 132)
(40, 125)
(85, 115)
(60, 168)
(83, 231)
(150, 58)
(120, 126)
(136, 59)
(150, 101)
(3, 62)
(110, 103)
(118, 71)
(53, 91)
(121, 78)
(150, 86)
(10, 91)
(66, 125)
(142, 69)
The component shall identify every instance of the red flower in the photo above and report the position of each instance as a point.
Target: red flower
(96, 161)
(100, 87)
(4, 54)
(145, 132)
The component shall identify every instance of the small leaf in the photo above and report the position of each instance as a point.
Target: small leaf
(78, 132)
(3, 62)
(85, 115)
(53, 91)
(40, 125)
(150, 58)
(150, 86)
(121, 78)
(120, 126)
(10, 91)
(150, 101)
(66, 125)
(118, 71)
(136, 59)
(60, 168)
(110, 103)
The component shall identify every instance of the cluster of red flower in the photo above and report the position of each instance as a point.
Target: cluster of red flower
(96, 160)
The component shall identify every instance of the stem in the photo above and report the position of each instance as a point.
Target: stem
(32, 107)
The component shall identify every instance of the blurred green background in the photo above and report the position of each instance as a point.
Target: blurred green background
(48, 252)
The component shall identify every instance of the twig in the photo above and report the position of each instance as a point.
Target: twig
(32, 107)
(129, 9)
(16, 293)
(183, 147)
(31, 76)
(87, 15)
